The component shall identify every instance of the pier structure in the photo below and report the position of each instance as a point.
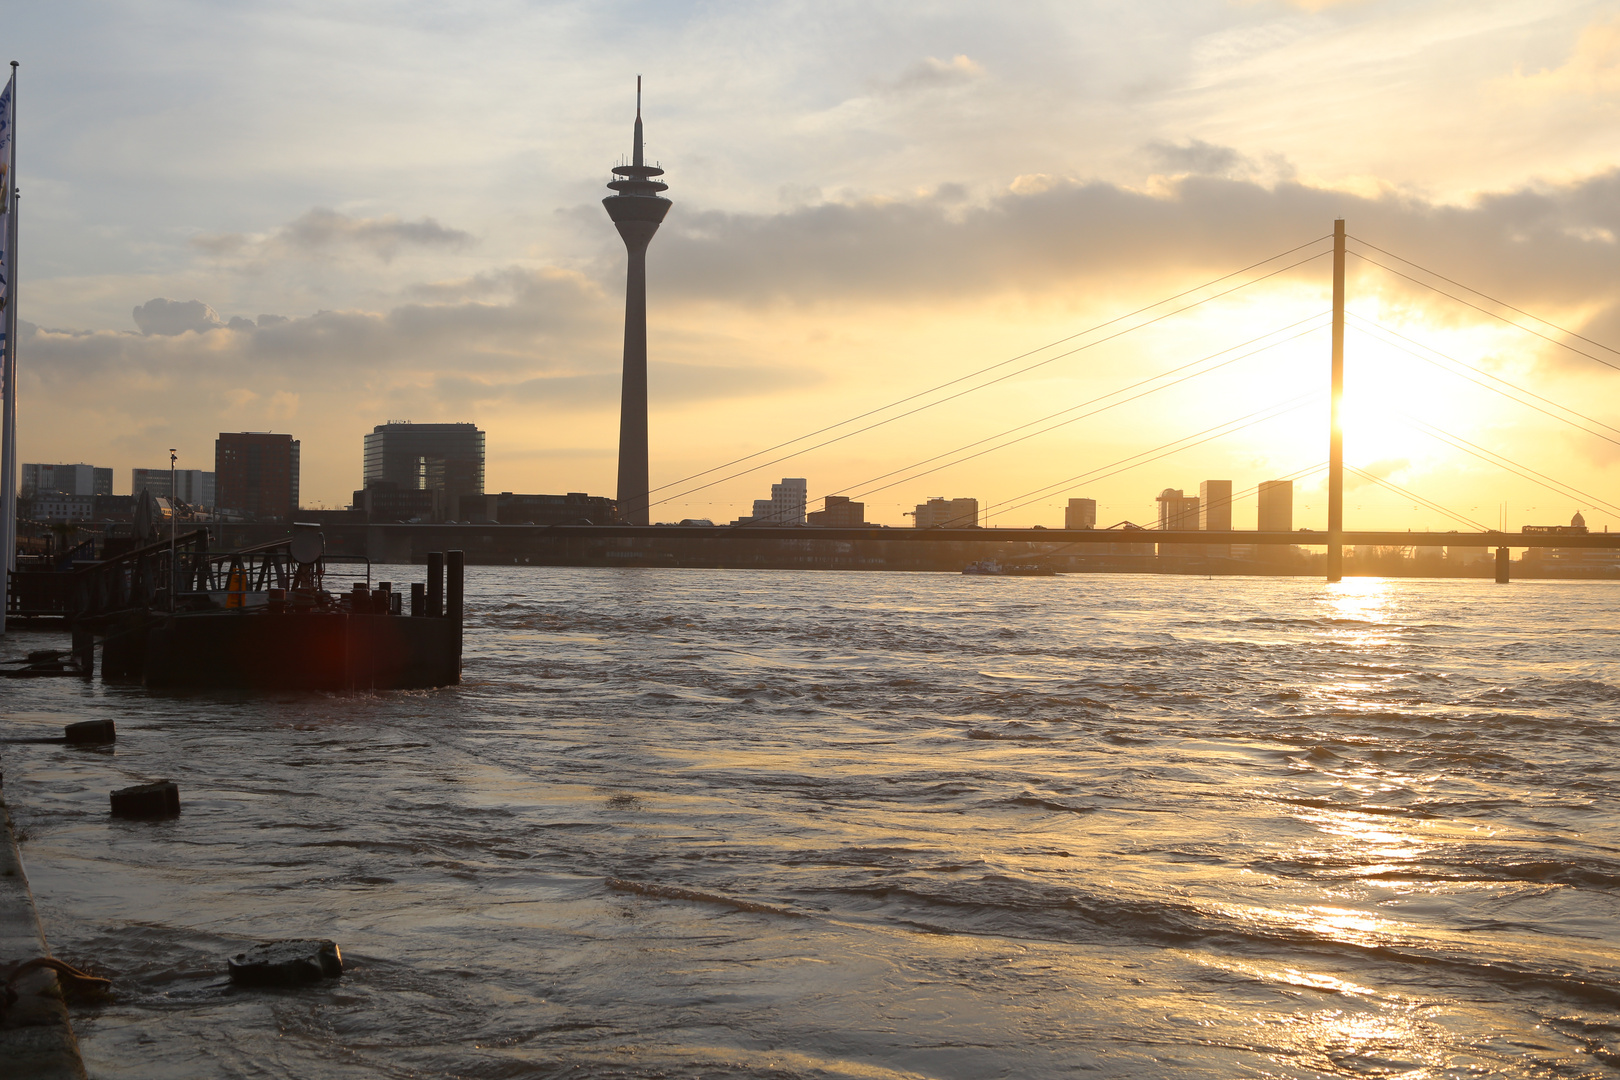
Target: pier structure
(637, 209)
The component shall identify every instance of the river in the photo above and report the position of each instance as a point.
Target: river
(773, 824)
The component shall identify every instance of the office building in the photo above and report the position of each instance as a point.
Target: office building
(786, 505)
(637, 209)
(837, 512)
(385, 502)
(60, 506)
(196, 487)
(940, 513)
(1215, 506)
(1080, 514)
(67, 479)
(1178, 512)
(1276, 506)
(443, 458)
(1215, 513)
(256, 472)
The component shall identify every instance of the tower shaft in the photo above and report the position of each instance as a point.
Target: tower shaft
(634, 484)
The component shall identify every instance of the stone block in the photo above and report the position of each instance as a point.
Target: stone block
(287, 963)
(158, 800)
(91, 732)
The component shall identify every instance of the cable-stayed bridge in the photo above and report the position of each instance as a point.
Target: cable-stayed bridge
(1337, 246)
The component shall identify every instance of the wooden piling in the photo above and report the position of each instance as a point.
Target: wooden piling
(435, 584)
(454, 568)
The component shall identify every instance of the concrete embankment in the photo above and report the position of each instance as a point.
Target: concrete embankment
(36, 1040)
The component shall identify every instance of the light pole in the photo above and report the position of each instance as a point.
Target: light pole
(174, 527)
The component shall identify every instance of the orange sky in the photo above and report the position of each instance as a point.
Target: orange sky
(360, 219)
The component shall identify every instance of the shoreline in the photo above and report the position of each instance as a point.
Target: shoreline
(36, 1037)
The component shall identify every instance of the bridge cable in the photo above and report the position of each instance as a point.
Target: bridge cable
(1504, 462)
(1478, 371)
(1084, 416)
(1172, 447)
(1492, 299)
(992, 367)
(1415, 497)
(1492, 314)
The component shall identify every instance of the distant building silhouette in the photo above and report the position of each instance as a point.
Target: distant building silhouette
(1215, 513)
(1276, 506)
(256, 472)
(574, 508)
(444, 458)
(838, 512)
(1560, 561)
(947, 514)
(1178, 512)
(67, 479)
(786, 505)
(1081, 514)
(196, 487)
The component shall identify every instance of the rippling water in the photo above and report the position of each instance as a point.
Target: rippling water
(709, 824)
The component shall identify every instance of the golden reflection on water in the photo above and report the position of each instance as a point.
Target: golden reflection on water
(1364, 600)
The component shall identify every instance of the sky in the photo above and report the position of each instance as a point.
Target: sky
(318, 217)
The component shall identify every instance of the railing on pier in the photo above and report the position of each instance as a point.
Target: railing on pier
(171, 573)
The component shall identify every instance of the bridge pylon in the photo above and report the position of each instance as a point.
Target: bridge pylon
(1335, 551)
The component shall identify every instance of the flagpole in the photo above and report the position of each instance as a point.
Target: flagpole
(8, 427)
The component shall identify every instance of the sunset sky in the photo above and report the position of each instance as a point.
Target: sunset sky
(318, 217)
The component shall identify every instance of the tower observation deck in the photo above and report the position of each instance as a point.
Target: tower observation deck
(637, 209)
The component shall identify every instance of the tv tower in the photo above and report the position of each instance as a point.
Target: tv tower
(636, 211)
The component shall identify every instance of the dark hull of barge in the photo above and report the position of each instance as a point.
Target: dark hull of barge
(255, 650)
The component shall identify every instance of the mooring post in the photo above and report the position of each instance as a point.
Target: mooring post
(435, 584)
(418, 599)
(1501, 566)
(452, 602)
(1335, 551)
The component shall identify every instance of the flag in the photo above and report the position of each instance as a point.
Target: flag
(7, 203)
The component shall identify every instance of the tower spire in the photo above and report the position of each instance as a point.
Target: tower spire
(638, 160)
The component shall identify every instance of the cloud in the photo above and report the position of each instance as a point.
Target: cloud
(321, 232)
(1592, 70)
(171, 317)
(1543, 245)
(933, 73)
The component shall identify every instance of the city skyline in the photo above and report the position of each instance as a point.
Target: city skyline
(913, 202)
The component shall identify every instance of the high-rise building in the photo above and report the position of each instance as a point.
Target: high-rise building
(947, 514)
(785, 506)
(1178, 512)
(1215, 513)
(1215, 506)
(256, 472)
(444, 458)
(67, 479)
(196, 487)
(637, 209)
(1276, 506)
(1080, 514)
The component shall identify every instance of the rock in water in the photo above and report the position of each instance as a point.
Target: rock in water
(287, 963)
(91, 732)
(161, 799)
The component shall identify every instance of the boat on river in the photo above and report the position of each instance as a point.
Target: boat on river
(992, 568)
